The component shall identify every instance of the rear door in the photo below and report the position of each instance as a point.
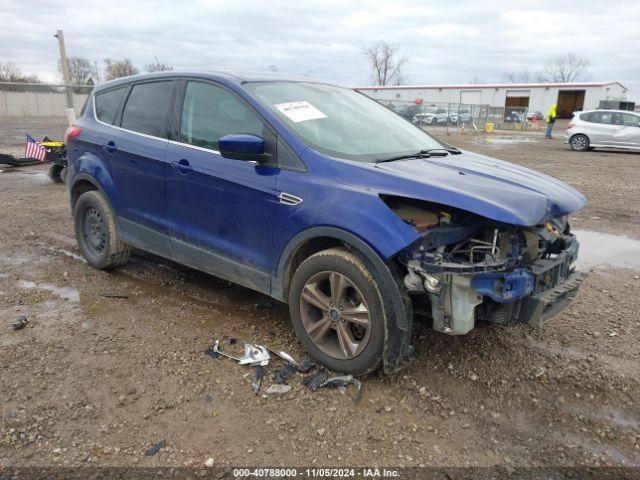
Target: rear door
(626, 130)
(220, 211)
(137, 148)
(600, 127)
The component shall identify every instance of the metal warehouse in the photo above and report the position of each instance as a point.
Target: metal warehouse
(569, 97)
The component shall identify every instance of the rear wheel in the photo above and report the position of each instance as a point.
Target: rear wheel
(579, 142)
(337, 313)
(96, 232)
(56, 173)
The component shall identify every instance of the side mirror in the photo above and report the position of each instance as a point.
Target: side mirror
(242, 146)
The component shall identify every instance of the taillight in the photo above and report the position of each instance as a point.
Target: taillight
(570, 125)
(71, 132)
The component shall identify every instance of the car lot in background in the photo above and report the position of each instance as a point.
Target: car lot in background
(603, 129)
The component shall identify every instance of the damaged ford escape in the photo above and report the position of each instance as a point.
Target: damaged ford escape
(322, 198)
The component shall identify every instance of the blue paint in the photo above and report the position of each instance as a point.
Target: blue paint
(504, 287)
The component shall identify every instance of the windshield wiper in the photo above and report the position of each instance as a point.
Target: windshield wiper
(429, 152)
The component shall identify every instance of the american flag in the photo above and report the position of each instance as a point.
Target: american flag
(34, 150)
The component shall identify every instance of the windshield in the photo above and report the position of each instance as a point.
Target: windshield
(341, 122)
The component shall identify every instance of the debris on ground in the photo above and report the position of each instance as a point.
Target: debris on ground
(254, 355)
(282, 375)
(258, 373)
(258, 356)
(19, 323)
(156, 448)
(209, 463)
(342, 381)
(113, 295)
(278, 389)
(232, 341)
(212, 352)
(316, 379)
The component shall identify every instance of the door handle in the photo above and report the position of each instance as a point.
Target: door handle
(182, 166)
(110, 147)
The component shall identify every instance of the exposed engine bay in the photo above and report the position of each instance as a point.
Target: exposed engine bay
(475, 269)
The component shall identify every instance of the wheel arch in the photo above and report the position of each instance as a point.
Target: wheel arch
(397, 305)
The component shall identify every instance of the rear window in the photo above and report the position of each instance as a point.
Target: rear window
(147, 108)
(107, 104)
(600, 117)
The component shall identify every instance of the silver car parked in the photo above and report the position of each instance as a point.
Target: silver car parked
(603, 128)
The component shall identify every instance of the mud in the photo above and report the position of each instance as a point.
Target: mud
(98, 381)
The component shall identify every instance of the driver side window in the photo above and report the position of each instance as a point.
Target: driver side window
(210, 112)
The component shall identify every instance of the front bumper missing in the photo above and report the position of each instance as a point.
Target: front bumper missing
(529, 295)
(538, 308)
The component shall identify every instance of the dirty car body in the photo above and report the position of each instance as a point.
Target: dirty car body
(330, 170)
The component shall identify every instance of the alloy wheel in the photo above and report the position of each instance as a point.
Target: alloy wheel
(335, 315)
(579, 142)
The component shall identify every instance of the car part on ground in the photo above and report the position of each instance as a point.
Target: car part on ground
(254, 355)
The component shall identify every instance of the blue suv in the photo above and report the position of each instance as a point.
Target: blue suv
(320, 197)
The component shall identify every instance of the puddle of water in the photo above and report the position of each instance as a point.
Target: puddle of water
(70, 294)
(499, 142)
(606, 250)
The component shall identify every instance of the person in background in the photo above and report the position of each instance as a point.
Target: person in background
(550, 118)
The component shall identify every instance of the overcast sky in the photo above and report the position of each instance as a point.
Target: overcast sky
(445, 42)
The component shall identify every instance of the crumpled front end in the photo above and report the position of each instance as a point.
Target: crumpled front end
(475, 269)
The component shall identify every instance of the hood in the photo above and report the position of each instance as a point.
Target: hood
(475, 183)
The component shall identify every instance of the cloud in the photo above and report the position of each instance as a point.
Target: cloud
(445, 42)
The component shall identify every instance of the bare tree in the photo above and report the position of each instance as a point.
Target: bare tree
(157, 66)
(476, 81)
(524, 76)
(9, 72)
(567, 68)
(118, 68)
(386, 63)
(80, 70)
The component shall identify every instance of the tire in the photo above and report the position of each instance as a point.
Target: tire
(579, 142)
(96, 232)
(344, 331)
(55, 173)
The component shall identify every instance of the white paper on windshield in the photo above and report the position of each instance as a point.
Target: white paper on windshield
(300, 111)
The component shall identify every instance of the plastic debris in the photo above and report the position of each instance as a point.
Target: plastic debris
(278, 389)
(316, 379)
(19, 323)
(156, 448)
(282, 375)
(212, 352)
(343, 381)
(209, 463)
(254, 355)
(258, 373)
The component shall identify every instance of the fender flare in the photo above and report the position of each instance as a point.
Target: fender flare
(396, 302)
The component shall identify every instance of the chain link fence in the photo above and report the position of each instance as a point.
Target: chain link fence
(465, 118)
(40, 99)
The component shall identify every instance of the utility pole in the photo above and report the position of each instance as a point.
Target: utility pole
(65, 76)
(97, 73)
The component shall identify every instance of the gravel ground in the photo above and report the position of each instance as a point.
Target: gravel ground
(97, 381)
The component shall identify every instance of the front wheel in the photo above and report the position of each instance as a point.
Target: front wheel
(337, 312)
(579, 142)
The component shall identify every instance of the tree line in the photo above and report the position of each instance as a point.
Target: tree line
(386, 62)
(82, 71)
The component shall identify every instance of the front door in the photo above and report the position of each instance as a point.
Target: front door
(626, 130)
(220, 211)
